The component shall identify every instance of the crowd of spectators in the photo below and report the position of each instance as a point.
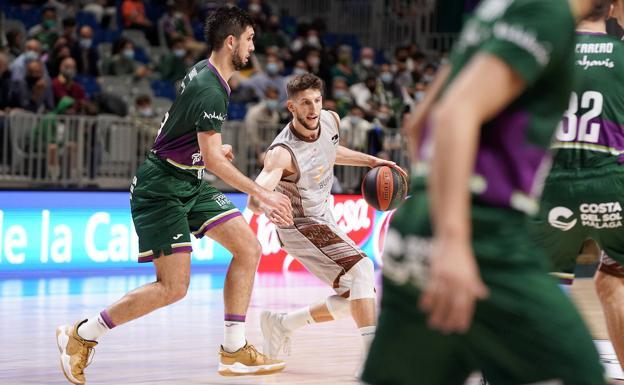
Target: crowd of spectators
(117, 56)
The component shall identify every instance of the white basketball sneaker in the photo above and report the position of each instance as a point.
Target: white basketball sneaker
(276, 336)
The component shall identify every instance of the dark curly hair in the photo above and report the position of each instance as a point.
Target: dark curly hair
(223, 22)
(600, 10)
(303, 82)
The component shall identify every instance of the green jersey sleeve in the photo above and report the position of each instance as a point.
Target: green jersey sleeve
(210, 109)
(528, 36)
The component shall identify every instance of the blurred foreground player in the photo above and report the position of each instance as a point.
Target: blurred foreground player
(169, 201)
(584, 193)
(300, 164)
(464, 288)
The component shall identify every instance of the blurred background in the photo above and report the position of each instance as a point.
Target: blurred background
(85, 84)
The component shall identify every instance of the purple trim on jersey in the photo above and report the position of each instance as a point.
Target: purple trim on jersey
(505, 159)
(180, 149)
(224, 84)
(179, 249)
(234, 317)
(592, 33)
(218, 222)
(611, 135)
(107, 319)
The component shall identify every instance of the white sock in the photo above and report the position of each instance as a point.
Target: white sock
(93, 328)
(234, 335)
(298, 318)
(368, 334)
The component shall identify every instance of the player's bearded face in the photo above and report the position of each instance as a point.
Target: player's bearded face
(238, 60)
(301, 118)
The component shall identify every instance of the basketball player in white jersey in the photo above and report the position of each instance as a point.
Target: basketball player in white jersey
(300, 163)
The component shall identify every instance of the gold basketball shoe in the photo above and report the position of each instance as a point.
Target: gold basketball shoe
(247, 361)
(76, 352)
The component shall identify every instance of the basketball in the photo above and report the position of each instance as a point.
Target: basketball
(384, 188)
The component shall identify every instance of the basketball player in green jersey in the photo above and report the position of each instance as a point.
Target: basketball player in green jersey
(584, 194)
(170, 200)
(464, 287)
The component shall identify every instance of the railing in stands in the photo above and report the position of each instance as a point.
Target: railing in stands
(103, 152)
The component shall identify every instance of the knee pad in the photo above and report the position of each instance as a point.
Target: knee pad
(338, 306)
(362, 276)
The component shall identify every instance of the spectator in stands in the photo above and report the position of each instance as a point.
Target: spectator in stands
(60, 52)
(366, 66)
(316, 66)
(403, 76)
(342, 96)
(259, 12)
(32, 52)
(66, 85)
(103, 10)
(47, 31)
(265, 113)
(85, 53)
(69, 30)
(241, 94)
(5, 83)
(123, 63)
(354, 130)
(369, 96)
(177, 25)
(134, 17)
(15, 42)
(272, 37)
(143, 107)
(300, 68)
(307, 39)
(173, 64)
(428, 73)
(34, 92)
(270, 77)
(344, 67)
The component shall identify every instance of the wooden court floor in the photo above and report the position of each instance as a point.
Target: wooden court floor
(179, 344)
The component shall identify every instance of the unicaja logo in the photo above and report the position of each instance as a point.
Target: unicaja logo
(556, 215)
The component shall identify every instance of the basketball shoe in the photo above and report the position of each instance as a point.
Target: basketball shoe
(276, 336)
(76, 352)
(247, 361)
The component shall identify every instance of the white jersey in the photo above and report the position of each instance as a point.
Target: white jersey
(310, 187)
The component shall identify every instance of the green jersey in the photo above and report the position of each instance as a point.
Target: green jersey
(536, 39)
(200, 106)
(591, 133)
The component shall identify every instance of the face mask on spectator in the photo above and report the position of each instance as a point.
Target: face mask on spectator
(272, 104)
(314, 62)
(341, 94)
(272, 68)
(86, 43)
(146, 112)
(31, 80)
(314, 41)
(31, 55)
(69, 74)
(128, 53)
(368, 63)
(49, 24)
(179, 52)
(419, 95)
(427, 78)
(299, 71)
(386, 77)
(354, 120)
(383, 118)
(255, 8)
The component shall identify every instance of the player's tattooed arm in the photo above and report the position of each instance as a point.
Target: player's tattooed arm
(278, 162)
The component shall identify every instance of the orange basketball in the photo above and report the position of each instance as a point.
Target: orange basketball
(384, 188)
